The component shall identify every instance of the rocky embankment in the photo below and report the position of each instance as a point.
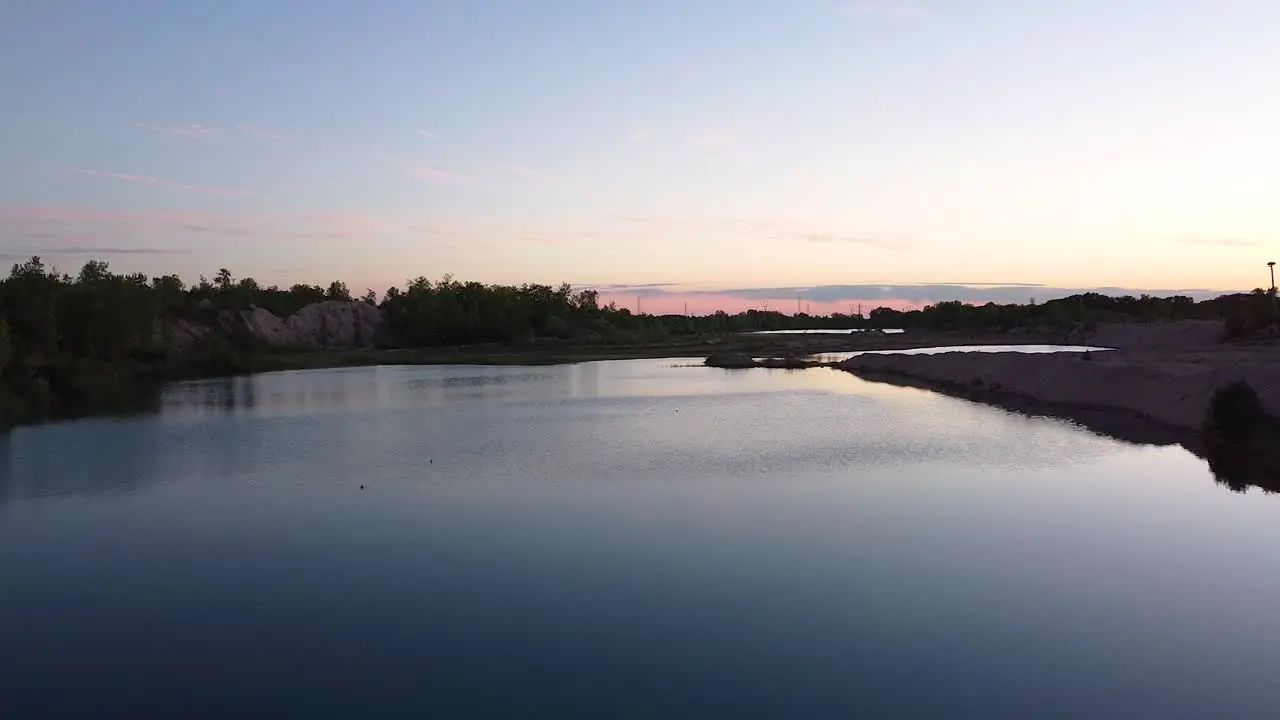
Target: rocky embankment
(332, 324)
(1164, 372)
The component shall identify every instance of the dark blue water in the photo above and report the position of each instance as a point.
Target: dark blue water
(630, 539)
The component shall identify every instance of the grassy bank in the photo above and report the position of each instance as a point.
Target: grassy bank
(561, 353)
(65, 388)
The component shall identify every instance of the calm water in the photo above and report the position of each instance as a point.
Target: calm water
(628, 539)
(816, 332)
(1026, 348)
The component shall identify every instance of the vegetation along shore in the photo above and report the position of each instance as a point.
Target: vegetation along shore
(97, 340)
(1183, 382)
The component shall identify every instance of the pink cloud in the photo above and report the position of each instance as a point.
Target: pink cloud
(712, 140)
(260, 133)
(123, 176)
(705, 304)
(31, 215)
(637, 136)
(212, 189)
(144, 180)
(77, 244)
(350, 222)
(526, 171)
(57, 221)
(436, 176)
(193, 131)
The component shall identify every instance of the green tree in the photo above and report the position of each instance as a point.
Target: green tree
(338, 291)
(5, 350)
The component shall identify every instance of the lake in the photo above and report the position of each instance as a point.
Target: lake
(1024, 348)
(621, 539)
(819, 332)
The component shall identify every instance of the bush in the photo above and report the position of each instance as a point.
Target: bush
(1235, 413)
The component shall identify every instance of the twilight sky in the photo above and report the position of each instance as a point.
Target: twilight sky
(723, 153)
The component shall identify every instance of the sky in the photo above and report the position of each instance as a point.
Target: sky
(701, 153)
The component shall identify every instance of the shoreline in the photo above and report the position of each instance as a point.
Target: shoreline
(1157, 398)
(1170, 389)
(564, 353)
(134, 388)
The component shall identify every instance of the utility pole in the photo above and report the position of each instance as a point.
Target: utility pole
(686, 308)
(1272, 267)
(797, 306)
(637, 304)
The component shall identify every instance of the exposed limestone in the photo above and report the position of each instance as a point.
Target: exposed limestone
(332, 324)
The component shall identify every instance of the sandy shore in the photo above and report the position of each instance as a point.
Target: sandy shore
(1169, 382)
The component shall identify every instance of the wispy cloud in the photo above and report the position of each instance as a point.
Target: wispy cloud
(888, 9)
(875, 294)
(126, 177)
(350, 222)
(1219, 242)
(324, 235)
(260, 133)
(659, 287)
(638, 136)
(867, 240)
(214, 229)
(712, 140)
(526, 171)
(159, 182)
(437, 176)
(41, 215)
(192, 131)
(428, 134)
(80, 246)
(118, 228)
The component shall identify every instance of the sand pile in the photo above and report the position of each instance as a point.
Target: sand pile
(1171, 388)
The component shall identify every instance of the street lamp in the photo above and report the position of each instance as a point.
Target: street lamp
(1275, 309)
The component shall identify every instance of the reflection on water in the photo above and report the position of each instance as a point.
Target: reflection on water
(1034, 349)
(624, 539)
(821, 332)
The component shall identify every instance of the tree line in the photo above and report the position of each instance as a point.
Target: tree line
(69, 341)
(1243, 313)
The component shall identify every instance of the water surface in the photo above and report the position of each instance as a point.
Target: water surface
(623, 539)
(1031, 348)
(822, 331)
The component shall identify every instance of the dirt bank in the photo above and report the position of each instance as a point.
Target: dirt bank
(1170, 387)
(1180, 335)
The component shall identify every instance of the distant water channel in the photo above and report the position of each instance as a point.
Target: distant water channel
(1034, 349)
(819, 332)
(622, 539)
